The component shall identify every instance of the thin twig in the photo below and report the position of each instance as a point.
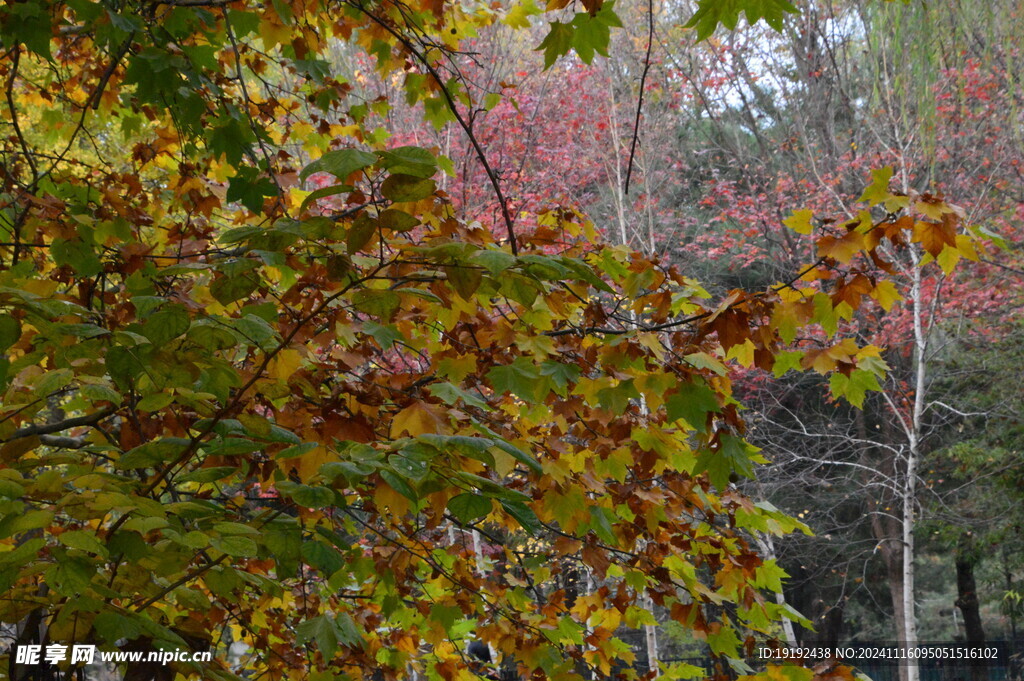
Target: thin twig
(640, 98)
(466, 127)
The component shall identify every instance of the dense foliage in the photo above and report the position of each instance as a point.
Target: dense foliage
(310, 406)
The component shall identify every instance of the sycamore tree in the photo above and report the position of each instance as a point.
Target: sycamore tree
(240, 410)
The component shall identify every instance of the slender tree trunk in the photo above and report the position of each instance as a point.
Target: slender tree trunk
(767, 546)
(909, 491)
(1012, 652)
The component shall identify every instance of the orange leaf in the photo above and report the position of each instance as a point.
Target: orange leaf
(842, 249)
(934, 236)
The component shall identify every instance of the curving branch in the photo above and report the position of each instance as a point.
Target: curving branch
(466, 126)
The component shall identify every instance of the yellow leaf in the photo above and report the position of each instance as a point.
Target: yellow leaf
(965, 245)
(800, 222)
(41, 287)
(308, 465)
(273, 33)
(386, 497)
(418, 418)
(285, 364)
(519, 15)
(886, 294)
(652, 342)
(743, 353)
(932, 209)
(948, 258)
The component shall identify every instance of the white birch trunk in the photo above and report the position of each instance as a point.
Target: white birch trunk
(913, 457)
(767, 545)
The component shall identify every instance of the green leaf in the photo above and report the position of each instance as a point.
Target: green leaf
(592, 35)
(229, 289)
(296, 450)
(285, 545)
(226, 527)
(409, 161)
(397, 220)
(29, 520)
(208, 474)
(348, 631)
(11, 489)
(72, 576)
(510, 449)
(211, 336)
(557, 42)
(249, 188)
(561, 375)
(324, 631)
(523, 290)
(601, 520)
(473, 447)
(524, 515)
(399, 485)
(711, 13)
(33, 27)
(451, 394)
(234, 545)
(692, 402)
(377, 302)
(78, 255)
(10, 332)
(787, 361)
(583, 272)
(166, 325)
(340, 163)
(616, 398)
(312, 497)
(855, 386)
(412, 462)
(84, 541)
(469, 507)
(386, 336)
(324, 558)
(734, 455)
(522, 378)
(494, 262)
(152, 453)
(400, 188)
(323, 193)
(113, 626)
(724, 641)
(154, 402)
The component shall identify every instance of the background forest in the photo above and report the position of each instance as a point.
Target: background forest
(342, 334)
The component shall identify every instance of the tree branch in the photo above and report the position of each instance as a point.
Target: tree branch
(66, 424)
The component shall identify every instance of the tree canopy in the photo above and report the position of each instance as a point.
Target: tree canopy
(262, 383)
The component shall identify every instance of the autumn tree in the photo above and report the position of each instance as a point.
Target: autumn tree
(253, 397)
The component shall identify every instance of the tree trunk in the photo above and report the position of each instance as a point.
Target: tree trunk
(886, 529)
(651, 639)
(967, 599)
